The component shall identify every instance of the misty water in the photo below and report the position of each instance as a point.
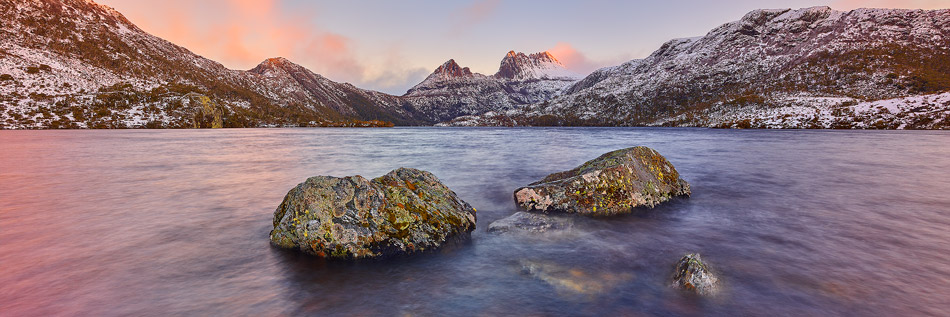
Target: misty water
(176, 223)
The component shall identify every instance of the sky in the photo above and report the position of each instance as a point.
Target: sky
(390, 46)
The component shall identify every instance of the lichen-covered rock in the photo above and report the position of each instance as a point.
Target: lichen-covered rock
(207, 113)
(402, 212)
(611, 184)
(529, 222)
(693, 274)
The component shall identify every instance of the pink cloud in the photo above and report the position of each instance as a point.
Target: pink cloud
(254, 6)
(476, 13)
(578, 62)
(332, 56)
(242, 33)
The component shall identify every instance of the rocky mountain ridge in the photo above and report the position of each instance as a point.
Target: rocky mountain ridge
(78, 64)
(452, 91)
(769, 63)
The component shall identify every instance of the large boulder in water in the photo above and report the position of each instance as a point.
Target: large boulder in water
(611, 184)
(405, 211)
(692, 274)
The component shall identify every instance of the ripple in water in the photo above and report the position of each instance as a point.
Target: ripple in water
(176, 222)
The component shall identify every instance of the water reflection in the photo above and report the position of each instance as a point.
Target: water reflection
(176, 222)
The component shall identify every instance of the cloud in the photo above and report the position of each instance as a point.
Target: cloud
(396, 75)
(896, 4)
(242, 33)
(467, 17)
(578, 62)
(397, 82)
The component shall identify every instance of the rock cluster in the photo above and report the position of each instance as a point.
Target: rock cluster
(409, 211)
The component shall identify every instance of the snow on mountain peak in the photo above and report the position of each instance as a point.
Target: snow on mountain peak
(543, 65)
(763, 16)
(451, 69)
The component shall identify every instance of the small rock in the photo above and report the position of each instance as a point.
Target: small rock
(405, 211)
(529, 222)
(694, 275)
(611, 184)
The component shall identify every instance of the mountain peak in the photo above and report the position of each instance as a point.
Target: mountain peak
(275, 65)
(277, 61)
(517, 65)
(451, 69)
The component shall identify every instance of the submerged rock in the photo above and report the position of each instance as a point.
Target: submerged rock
(402, 212)
(574, 280)
(611, 184)
(529, 222)
(694, 275)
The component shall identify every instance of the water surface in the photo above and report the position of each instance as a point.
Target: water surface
(154, 223)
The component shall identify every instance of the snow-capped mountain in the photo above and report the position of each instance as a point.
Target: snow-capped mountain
(452, 91)
(519, 66)
(767, 66)
(75, 63)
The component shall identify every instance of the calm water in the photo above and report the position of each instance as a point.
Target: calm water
(176, 222)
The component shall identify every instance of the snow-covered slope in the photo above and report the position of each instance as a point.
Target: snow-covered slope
(452, 91)
(816, 58)
(915, 112)
(75, 63)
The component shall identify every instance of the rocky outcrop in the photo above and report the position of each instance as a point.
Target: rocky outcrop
(405, 211)
(451, 69)
(207, 113)
(611, 184)
(529, 222)
(693, 274)
(543, 65)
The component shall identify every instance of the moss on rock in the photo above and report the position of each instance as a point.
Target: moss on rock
(402, 212)
(613, 183)
(207, 113)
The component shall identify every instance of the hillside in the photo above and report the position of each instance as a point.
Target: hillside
(75, 63)
(813, 67)
(78, 64)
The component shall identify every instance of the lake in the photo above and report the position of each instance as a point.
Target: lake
(176, 222)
